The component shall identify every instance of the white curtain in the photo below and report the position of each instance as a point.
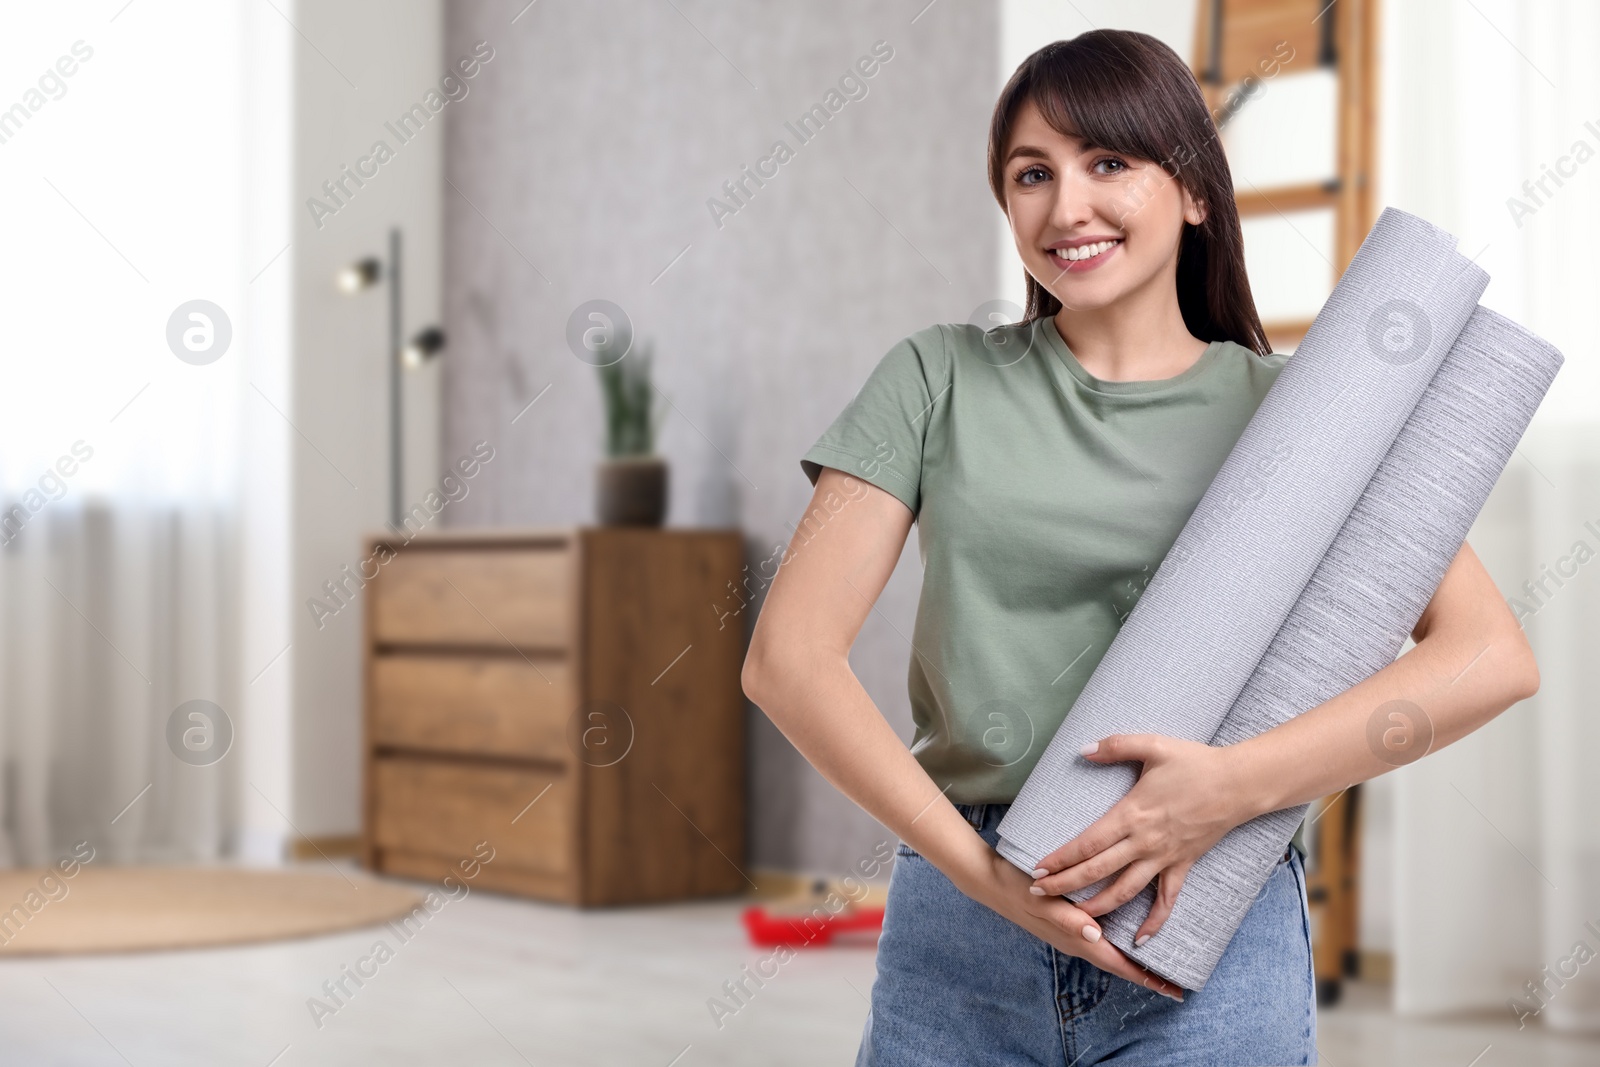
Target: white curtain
(1494, 877)
(119, 461)
(114, 614)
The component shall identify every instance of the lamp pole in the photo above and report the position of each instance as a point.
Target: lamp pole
(428, 343)
(396, 442)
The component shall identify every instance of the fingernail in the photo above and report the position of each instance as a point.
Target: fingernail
(1036, 891)
(1090, 749)
(1141, 939)
(1091, 933)
(1039, 872)
(1176, 997)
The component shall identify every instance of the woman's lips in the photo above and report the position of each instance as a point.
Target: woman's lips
(1077, 266)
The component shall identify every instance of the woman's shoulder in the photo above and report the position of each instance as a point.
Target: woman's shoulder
(972, 335)
(1249, 359)
(924, 352)
(971, 332)
(999, 344)
(1247, 369)
(943, 352)
(939, 348)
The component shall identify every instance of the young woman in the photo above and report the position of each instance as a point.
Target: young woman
(1050, 465)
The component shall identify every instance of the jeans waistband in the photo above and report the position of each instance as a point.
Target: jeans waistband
(984, 815)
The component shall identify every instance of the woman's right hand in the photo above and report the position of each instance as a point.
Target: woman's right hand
(1061, 923)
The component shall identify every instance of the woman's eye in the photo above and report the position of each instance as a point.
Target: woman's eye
(1022, 175)
(1121, 166)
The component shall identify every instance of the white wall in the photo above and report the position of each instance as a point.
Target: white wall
(264, 523)
(358, 64)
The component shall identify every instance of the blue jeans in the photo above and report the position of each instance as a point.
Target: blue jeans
(958, 985)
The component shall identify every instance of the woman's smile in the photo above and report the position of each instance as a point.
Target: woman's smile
(1079, 258)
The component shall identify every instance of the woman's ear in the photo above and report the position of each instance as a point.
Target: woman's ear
(1194, 211)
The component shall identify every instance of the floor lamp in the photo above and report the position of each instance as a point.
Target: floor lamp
(423, 346)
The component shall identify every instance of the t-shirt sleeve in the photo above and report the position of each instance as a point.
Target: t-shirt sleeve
(879, 435)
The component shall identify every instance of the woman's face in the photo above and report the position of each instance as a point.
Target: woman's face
(1064, 194)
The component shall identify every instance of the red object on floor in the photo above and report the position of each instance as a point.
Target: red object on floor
(808, 928)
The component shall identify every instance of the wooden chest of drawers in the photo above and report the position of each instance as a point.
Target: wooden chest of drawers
(569, 696)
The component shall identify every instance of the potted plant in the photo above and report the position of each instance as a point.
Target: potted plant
(632, 479)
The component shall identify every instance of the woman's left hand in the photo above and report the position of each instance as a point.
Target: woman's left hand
(1185, 800)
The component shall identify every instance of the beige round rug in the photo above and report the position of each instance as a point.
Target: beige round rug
(132, 909)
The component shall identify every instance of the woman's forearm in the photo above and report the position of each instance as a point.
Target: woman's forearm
(1448, 685)
(821, 707)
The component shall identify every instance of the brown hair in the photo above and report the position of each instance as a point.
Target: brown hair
(1129, 92)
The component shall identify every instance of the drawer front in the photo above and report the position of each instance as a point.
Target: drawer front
(494, 876)
(444, 808)
(476, 705)
(487, 597)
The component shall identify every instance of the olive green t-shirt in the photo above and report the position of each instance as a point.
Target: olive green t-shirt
(1045, 498)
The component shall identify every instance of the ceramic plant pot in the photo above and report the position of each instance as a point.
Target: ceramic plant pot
(632, 490)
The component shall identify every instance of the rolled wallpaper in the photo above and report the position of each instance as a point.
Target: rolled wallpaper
(1205, 619)
(1305, 564)
(1355, 614)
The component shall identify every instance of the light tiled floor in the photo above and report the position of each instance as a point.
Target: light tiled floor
(489, 980)
(1360, 1031)
(493, 980)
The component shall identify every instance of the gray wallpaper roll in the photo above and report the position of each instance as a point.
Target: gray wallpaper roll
(1258, 533)
(1354, 615)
